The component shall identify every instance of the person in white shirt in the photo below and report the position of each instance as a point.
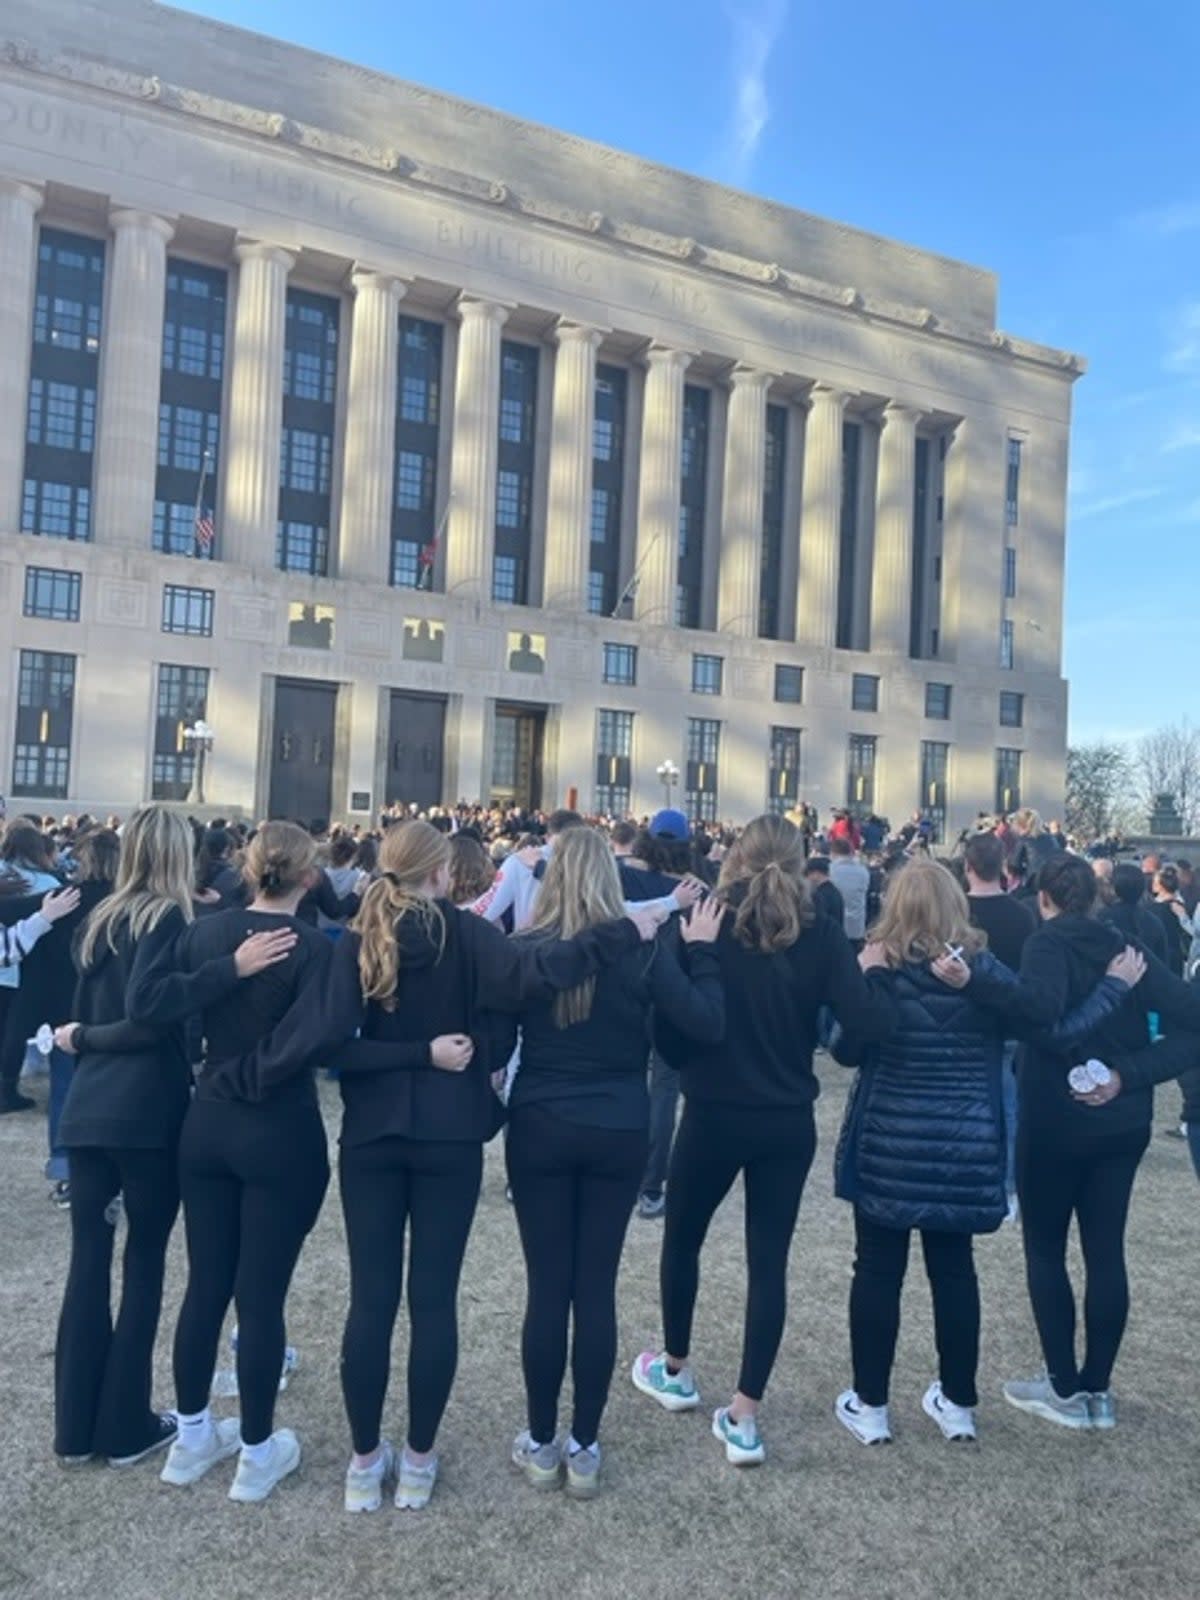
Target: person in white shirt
(853, 882)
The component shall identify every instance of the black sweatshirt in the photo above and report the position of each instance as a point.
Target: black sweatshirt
(132, 1082)
(594, 1071)
(771, 1006)
(388, 1082)
(233, 1026)
(1065, 959)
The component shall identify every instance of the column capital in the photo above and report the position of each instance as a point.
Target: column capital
(33, 193)
(901, 413)
(567, 332)
(365, 278)
(666, 355)
(120, 217)
(262, 250)
(829, 394)
(747, 377)
(475, 308)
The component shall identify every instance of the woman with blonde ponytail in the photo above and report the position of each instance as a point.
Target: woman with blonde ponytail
(120, 1126)
(748, 1110)
(407, 1015)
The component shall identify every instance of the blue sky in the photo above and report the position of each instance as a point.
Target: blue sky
(1059, 147)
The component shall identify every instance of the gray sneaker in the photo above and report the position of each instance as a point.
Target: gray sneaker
(1102, 1409)
(583, 1471)
(542, 1464)
(651, 1206)
(1039, 1398)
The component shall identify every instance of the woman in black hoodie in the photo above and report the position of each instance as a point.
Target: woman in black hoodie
(120, 1126)
(578, 1130)
(1078, 1154)
(418, 981)
(748, 1109)
(253, 1171)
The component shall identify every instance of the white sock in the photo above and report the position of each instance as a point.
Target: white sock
(429, 1466)
(574, 1447)
(193, 1431)
(257, 1454)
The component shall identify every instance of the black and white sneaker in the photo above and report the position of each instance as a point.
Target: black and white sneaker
(168, 1428)
(956, 1422)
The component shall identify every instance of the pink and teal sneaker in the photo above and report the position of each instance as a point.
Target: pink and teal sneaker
(674, 1391)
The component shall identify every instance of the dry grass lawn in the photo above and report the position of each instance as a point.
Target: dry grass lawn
(1031, 1512)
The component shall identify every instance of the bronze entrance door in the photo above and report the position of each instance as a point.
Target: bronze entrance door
(517, 756)
(416, 739)
(301, 788)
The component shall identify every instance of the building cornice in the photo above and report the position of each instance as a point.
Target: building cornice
(390, 163)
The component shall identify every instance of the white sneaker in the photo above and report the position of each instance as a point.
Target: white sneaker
(254, 1480)
(956, 1422)
(868, 1424)
(365, 1485)
(414, 1485)
(185, 1466)
(542, 1464)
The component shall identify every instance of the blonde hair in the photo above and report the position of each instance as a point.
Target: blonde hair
(581, 889)
(409, 856)
(924, 911)
(278, 859)
(1028, 822)
(762, 880)
(155, 872)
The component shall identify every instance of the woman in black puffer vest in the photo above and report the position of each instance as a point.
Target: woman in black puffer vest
(923, 1143)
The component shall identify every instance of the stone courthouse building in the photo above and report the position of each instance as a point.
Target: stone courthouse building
(423, 453)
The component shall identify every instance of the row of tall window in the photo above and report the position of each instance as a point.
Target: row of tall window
(61, 435)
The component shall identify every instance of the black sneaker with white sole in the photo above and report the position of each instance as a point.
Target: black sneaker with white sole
(168, 1428)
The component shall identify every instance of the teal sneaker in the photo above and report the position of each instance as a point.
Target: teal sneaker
(743, 1446)
(674, 1391)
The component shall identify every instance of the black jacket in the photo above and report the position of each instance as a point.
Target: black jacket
(48, 971)
(594, 1071)
(771, 1006)
(132, 1082)
(388, 1082)
(1139, 926)
(234, 1025)
(1065, 958)
(923, 1139)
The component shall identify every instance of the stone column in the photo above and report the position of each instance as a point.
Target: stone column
(742, 506)
(820, 518)
(369, 468)
(569, 499)
(19, 206)
(247, 532)
(130, 380)
(471, 532)
(891, 577)
(659, 485)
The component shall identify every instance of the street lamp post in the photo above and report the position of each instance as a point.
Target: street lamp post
(199, 740)
(668, 776)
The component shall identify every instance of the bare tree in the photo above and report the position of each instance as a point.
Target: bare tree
(1168, 763)
(1099, 798)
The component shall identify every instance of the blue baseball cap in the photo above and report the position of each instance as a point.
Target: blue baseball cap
(669, 825)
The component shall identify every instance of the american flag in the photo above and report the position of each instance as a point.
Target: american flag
(205, 532)
(425, 563)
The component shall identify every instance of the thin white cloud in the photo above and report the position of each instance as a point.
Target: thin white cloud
(1183, 436)
(1113, 502)
(757, 26)
(1183, 339)
(1167, 222)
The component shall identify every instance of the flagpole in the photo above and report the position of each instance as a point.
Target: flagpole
(635, 576)
(435, 542)
(205, 459)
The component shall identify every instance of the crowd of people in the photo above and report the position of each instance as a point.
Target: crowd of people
(1007, 1013)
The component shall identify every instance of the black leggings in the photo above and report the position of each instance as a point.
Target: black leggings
(434, 1187)
(774, 1147)
(573, 1188)
(102, 1372)
(1093, 1182)
(253, 1178)
(880, 1262)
